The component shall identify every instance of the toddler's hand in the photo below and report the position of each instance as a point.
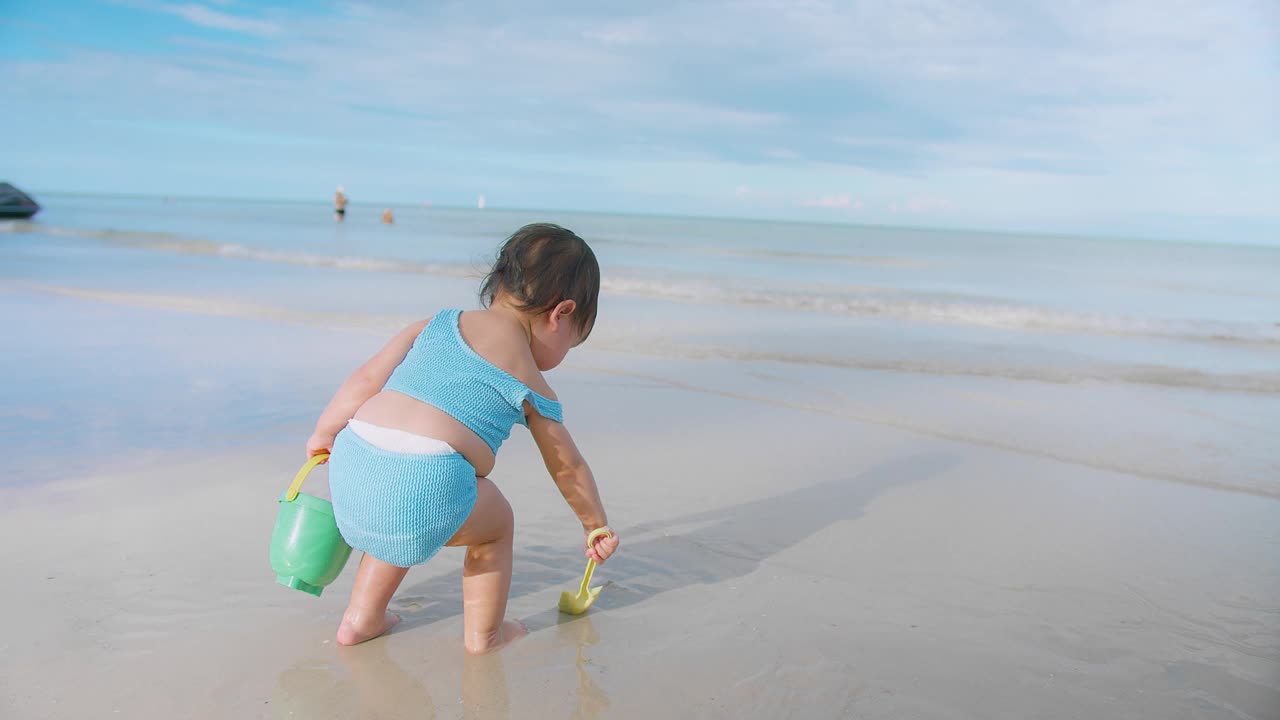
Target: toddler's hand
(603, 547)
(318, 443)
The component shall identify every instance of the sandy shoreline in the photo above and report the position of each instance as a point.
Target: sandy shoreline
(776, 562)
(799, 539)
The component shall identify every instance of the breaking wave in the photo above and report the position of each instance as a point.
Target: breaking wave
(856, 302)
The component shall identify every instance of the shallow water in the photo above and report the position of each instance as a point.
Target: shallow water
(144, 324)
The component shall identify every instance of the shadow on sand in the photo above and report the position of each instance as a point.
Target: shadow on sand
(708, 547)
(702, 548)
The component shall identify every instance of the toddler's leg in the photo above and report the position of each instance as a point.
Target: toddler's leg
(486, 573)
(366, 616)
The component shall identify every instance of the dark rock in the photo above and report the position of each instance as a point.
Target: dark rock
(16, 204)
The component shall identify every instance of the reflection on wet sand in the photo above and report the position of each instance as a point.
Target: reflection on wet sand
(369, 682)
(591, 699)
(484, 688)
(366, 682)
(312, 688)
(383, 688)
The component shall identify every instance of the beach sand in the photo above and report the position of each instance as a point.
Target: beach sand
(820, 515)
(784, 554)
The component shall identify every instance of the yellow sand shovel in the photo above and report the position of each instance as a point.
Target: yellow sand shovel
(576, 604)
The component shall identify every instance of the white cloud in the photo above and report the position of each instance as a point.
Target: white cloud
(210, 18)
(841, 200)
(1057, 109)
(682, 113)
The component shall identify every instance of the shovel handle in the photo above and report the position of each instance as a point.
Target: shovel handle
(591, 564)
(292, 493)
(598, 533)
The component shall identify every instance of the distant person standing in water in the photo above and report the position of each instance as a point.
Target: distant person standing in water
(387, 217)
(339, 204)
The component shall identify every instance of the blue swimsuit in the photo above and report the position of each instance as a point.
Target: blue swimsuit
(442, 370)
(403, 507)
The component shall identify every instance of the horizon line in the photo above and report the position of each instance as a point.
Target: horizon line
(406, 204)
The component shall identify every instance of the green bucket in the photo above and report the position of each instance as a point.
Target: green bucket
(307, 551)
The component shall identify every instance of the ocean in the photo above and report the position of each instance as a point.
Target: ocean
(148, 325)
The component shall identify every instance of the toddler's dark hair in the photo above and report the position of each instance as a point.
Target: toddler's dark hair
(542, 264)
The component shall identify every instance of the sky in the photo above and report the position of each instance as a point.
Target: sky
(1130, 117)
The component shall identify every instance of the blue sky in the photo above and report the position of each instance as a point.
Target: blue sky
(1139, 117)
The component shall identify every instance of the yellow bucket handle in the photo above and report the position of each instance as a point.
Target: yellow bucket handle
(292, 493)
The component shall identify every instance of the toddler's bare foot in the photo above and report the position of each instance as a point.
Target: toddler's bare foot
(489, 642)
(358, 627)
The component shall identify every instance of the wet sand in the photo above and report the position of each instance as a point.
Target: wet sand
(778, 560)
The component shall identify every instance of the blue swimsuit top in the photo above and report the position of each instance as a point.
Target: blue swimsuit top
(442, 370)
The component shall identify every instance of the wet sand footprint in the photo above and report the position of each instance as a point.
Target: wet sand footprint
(412, 603)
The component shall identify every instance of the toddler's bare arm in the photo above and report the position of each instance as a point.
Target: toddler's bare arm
(573, 477)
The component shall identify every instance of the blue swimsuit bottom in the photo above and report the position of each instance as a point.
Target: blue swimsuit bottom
(400, 508)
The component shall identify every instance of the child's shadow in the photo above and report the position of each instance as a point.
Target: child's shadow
(707, 547)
